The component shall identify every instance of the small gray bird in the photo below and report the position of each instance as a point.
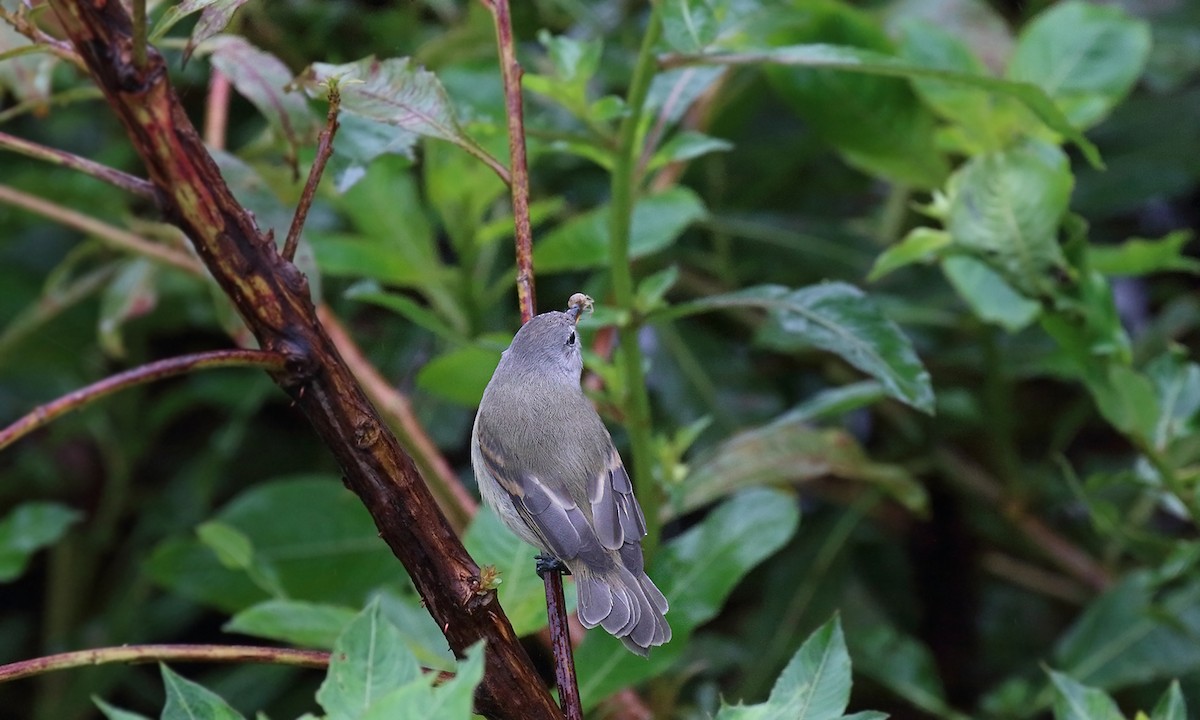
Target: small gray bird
(546, 464)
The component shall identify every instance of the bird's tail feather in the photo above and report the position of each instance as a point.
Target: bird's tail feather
(629, 607)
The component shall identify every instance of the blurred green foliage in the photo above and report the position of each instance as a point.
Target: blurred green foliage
(884, 282)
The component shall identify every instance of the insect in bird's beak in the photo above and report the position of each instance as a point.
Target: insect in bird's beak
(577, 305)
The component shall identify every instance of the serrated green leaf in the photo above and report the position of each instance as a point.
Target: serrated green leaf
(1139, 256)
(187, 700)
(838, 318)
(29, 528)
(921, 243)
(369, 660)
(1074, 701)
(696, 571)
(263, 79)
(583, 241)
(988, 294)
(1085, 56)
(392, 91)
(1006, 207)
(296, 622)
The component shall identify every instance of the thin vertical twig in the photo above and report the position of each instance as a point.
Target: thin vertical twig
(139, 34)
(216, 110)
(511, 72)
(324, 151)
(560, 643)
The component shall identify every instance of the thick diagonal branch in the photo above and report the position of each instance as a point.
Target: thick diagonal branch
(273, 297)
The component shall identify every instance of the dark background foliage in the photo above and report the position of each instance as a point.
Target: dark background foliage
(965, 421)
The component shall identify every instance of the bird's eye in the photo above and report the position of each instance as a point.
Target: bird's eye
(571, 338)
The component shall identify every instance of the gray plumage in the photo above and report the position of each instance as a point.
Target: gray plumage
(546, 463)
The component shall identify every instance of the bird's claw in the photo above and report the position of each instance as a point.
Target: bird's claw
(548, 563)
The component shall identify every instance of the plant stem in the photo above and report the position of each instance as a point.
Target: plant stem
(624, 186)
(139, 34)
(112, 176)
(324, 151)
(216, 110)
(44, 414)
(163, 653)
(113, 236)
(511, 72)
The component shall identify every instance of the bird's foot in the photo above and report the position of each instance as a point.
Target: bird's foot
(549, 563)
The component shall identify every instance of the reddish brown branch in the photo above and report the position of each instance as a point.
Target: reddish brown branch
(164, 653)
(324, 151)
(273, 297)
(44, 414)
(560, 642)
(112, 176)
(511, 72)
(458, 505)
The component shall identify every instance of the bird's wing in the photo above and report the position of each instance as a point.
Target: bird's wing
(553, 516)
(615, 511)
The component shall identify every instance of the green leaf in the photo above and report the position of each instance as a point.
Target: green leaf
(815, 685)
(235, 551)
(791, 451)
(876, 123)
(263, 79)
(369, 660)
(583, 241)
(696, 571)
(931, 46)
(921, 243)
(29, 528)
(521, 592)
(393, 92)
(1127, 400)
(462, 374)
(653, 288)
(1177, 388)
(1085, 56)
(214, 16)
(902, 664)
(370, 291)
(187, 700)
(988, 294)
(856, 60)
(131, 294)
(688, 25)
(1129, 635)
(115, 713)
(295, 622)
(574, 62)
(1006, 206)
(307, 528)
(686, 145)
(1139, 256)
(421, 633)
(1171, 706)
(838, 318)
(451, 700)
(1074, 701)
